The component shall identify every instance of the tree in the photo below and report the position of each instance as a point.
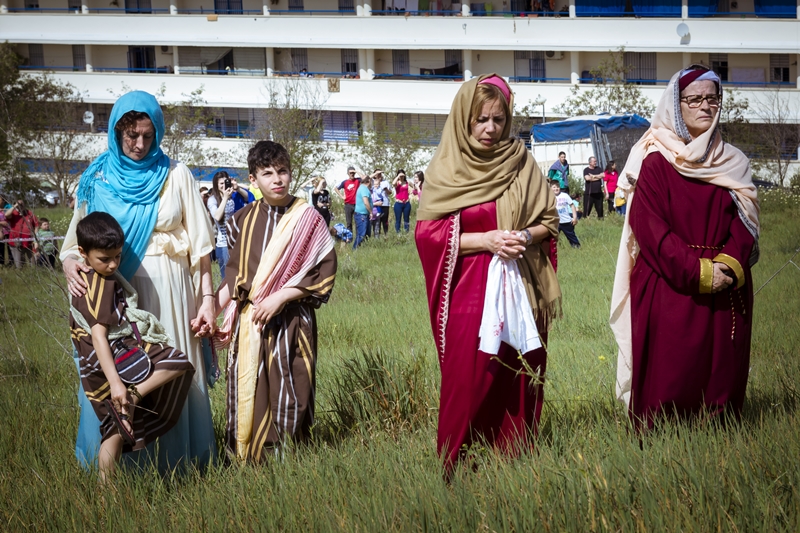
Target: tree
(610, 93)
(60, 143)
(295, 119)
(733, 120)
(778, 135)
(390, 148)
(39, 119)
(188, 123)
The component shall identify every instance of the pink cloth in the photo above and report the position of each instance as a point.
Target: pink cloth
(401, 192)
(611, 181)
(498, 82)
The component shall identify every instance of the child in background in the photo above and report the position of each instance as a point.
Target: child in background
(567, 214)
(576, 202)
(45, 245)
(620, 202)
(111, 348)
(282, 267)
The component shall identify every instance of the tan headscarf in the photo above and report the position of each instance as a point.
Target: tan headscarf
(464, 173)
(706, 158)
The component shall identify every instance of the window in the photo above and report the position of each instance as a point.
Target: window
(779, 68)
(79, 57)
(138, 6)
(228, 7)
(36, 55)
(296, 5)
(234, 122)
(428, 127)
(346, 5)
(350, 61)
(340, 125)
(454, 58)
(400, 62)
(640, 67)
(529, 65)
(31, 4)
(141, 58)
(75, 5)
(719, 64)
(299, 59)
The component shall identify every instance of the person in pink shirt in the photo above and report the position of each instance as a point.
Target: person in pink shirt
(610, 178)
(402, 207)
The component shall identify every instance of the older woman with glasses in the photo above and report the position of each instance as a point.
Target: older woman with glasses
(682, 305)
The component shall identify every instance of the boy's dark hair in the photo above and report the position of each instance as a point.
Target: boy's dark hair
(99, 231)
(555, 182)
(267, 154)
(42, 219)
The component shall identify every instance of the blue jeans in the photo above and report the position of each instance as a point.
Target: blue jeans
(222, 259)
(404, 210)
(362, 223)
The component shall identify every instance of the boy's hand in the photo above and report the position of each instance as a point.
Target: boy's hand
(271, 306)
(205, 323)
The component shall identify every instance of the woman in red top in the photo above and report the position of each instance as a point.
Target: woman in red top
(484, 197)
(610, 178)
(23, 224)
(402, 206)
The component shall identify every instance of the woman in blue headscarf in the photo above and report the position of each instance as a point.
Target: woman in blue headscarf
(168, 239)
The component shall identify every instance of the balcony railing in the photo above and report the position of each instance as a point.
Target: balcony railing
(381, 76)
(589, 9)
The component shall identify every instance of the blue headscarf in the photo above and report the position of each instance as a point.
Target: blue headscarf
(129, 190)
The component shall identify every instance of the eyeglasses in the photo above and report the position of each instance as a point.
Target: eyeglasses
(695, 100)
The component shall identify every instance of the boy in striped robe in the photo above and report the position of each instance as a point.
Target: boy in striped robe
(282, 267)
(101, 324)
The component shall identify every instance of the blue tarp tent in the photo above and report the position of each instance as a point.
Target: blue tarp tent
(207, 173)
(580, 127)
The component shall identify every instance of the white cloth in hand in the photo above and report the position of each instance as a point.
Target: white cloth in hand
(507, 315)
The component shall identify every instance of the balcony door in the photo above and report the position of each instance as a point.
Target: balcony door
(228, 7)
(142, 58)
(138, 6)
(641, 67)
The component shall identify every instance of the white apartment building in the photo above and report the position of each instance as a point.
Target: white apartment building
(396, 60)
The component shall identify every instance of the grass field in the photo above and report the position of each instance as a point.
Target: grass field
(372, 464)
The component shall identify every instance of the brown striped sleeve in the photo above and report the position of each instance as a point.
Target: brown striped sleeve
(103, 302)
(319, 281)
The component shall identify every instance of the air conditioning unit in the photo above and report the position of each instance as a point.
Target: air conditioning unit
(550, 54)
(166, 49)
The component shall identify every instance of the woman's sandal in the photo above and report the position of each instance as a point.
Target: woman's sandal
(119, 420)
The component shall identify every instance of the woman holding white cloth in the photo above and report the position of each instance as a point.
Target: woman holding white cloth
(487, 214)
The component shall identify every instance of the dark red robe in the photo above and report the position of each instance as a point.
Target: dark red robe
(482, 395)
(691, 350)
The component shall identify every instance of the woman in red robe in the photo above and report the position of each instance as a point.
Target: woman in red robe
(485, 197)
(683, 293)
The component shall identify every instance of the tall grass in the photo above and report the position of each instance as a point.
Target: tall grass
(371, 465)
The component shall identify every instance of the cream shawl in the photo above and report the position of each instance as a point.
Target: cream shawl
(706, 158)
